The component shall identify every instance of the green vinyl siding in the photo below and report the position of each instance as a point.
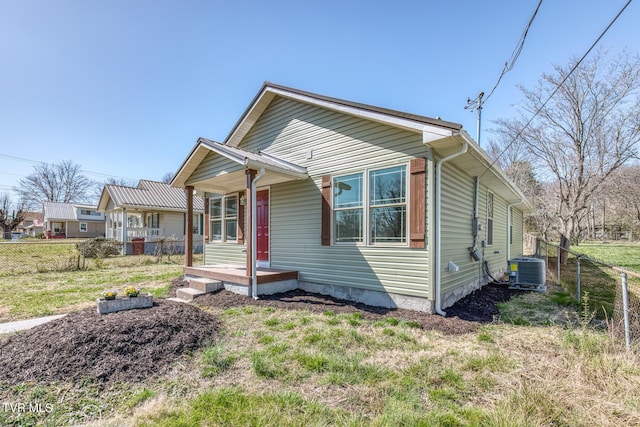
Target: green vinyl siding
(456, 228)
(224, 253)
(517, 220)
(457, 196)
(340, 144)
(295, 245)
(211, 166)
(496, 254)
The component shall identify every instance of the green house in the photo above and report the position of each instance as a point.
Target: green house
(355, 201)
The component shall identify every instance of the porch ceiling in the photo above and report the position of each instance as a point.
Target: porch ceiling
(237, 181)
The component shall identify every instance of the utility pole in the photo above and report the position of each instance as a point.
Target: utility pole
(476, 105)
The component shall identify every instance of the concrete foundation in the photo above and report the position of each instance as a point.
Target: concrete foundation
(264, 288)
(369, 297)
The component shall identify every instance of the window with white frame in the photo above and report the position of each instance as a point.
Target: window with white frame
(154, 220)
(375, 201)
(83, 227)
(196, 224)
(348, 210)
(489, 218)
(223, 213)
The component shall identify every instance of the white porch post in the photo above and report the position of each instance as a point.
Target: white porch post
(248, 228)
(188, 232)
(123, 238)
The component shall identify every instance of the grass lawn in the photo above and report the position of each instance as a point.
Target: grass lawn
(277, 367)
(600, 283)
(41, 294)
(39, 278)
(625, 255)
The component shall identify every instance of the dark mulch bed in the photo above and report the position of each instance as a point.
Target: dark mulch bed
(126, 346)
(137, 344)
(463, 317)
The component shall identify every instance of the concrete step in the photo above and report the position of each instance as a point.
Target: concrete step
(188, 294)
(205, 285)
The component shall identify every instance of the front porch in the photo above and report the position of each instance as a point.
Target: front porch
(135, 232)
(237, 274)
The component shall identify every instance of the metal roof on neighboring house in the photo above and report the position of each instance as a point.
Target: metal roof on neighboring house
(64, 211)
(149, 194)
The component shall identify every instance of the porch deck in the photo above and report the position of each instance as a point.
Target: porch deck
(238, 274)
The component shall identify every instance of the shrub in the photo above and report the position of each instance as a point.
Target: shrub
(99, 247)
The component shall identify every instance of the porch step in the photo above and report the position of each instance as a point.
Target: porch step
(188, 294)
(205, 285)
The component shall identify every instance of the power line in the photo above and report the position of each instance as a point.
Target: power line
(544, 104)
(22, 159)
(477, 103)
(508, 66)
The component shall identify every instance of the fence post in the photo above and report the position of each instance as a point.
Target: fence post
(578, 277)
(84, 244)
(558, 276)
(625, 309)
(546, 254)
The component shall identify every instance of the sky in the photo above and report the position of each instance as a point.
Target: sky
(125, 88)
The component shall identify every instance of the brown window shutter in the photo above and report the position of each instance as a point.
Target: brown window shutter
(207, 220)
(418, 208)
(326, 210)
(241, 219)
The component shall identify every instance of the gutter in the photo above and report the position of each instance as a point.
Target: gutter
(254, 235)
(438, 209)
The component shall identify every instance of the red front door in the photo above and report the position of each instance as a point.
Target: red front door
(262, 224)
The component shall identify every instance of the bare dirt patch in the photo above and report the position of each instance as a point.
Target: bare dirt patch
(129, 345)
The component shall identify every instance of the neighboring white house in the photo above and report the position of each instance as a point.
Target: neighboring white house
(71, 220)
(352, 200)
(153, 211)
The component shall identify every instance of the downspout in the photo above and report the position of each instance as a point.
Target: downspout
(254, 235)
(438, 209)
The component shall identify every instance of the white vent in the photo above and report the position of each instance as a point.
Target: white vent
(527, 273)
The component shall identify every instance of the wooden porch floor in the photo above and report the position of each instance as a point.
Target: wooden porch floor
(238, 274)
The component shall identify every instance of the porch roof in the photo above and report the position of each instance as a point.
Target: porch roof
(150, 195)
(276, 170)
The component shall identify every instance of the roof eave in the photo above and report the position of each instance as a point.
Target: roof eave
(430, 128)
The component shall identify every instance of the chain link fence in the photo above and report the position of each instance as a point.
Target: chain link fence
(608, 292)
(42, 256)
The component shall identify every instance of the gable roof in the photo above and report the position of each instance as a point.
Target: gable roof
(279, 170)
(64, 211)
(441, 136)
(148, 194)
(431, 128)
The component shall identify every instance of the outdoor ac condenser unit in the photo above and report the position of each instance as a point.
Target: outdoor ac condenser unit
(527, 274)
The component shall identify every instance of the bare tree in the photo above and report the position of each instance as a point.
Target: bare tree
(587, 130)
(57, 182)
(619, 200)
(167, 177)
(98, 186)
(10, 216)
